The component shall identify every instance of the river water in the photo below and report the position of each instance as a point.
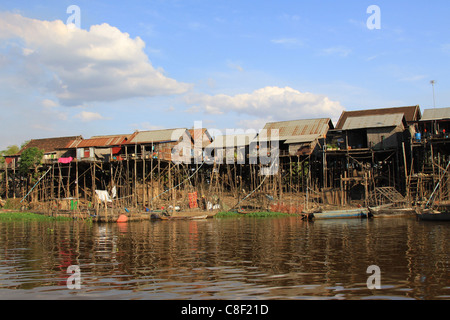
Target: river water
(229, 258)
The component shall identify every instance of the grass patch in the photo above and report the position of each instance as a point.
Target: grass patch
(28, 216)
(230, 214)
(12, 204)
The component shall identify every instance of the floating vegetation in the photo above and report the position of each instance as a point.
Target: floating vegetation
(230, 214)
(28, 216)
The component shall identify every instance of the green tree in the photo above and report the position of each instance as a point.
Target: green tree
(11, 150)
(29, 160)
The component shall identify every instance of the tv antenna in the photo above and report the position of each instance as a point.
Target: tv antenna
(433, 82)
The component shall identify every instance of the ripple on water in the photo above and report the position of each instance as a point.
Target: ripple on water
(244, 258)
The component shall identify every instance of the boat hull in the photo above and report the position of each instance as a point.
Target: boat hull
(341, 214)
(440, 216)
(392, 212)
(163, 217)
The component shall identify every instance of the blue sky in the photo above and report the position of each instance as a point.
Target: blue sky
(142, 65)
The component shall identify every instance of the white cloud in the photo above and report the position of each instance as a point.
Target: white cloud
(99, 64)
(47, 103)
(274, 102)
(146, 126)
(235, 66)
(340, 51)
(87, 116)
(414, 78)
(445, 48)
(287, 41)
(255, 124)
(52, 110)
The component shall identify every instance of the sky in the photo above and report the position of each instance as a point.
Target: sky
(113, 67)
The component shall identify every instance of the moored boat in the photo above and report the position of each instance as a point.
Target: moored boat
(340, 214)
(433, 215)
(167, 217)
(391, 212)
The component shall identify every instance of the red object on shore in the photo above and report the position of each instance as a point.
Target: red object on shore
(193, 200)
(122, 218)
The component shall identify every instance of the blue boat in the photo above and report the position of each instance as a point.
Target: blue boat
(341, 214)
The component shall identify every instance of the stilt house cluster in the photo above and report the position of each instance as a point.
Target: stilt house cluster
(368, 157)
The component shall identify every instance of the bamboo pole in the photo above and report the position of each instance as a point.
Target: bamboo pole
(93, 179)
(6, 180)
(135, 176)
(144, 182)
(405, 167)
(14, 178)
(59, 182)
(68, 182)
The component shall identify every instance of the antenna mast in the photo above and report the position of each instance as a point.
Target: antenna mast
(433, 82)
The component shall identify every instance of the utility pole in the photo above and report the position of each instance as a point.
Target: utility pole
(433, 82)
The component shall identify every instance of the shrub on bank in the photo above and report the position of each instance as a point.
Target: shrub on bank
(28, 216)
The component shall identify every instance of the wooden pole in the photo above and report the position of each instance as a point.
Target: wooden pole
(68, 182)
(406, 167)
(127, 181)
(432, 163)
(345, 188)
(366, 191)
(170, 184)
(14, 178)
(93, 179)
(77, 190)
(144, 182)
(60, 181)
(159, 175)
(6, 180)
(84, 187)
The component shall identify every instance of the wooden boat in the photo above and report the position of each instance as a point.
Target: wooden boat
(433, 215)
(202, 217)
(340, 214)
(388, 211)
(164, 217)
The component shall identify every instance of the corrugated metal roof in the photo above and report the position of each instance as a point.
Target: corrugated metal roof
(73, 144)
(436, 114)
(303, 139)
(234, 140)
(201, 134)
(103, 141)
(297, 128)
(411, 113)
(51, 144)
(112, 136)
(155, 136)
(377, 121)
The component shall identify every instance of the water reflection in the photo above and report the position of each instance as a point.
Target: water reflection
(247, 258)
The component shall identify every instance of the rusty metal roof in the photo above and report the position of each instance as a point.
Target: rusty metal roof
(202, 135)
(73, 144)
(103, 141)
(50, 145)
(411, 114)
(290, 130)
